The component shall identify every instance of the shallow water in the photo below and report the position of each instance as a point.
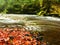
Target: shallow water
(49, 26)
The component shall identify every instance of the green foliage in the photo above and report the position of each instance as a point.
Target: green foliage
(20, 6)
(40, 7)
(48, 10)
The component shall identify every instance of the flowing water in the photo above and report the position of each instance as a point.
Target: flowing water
(49, 26)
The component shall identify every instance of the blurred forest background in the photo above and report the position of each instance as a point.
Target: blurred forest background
(39, 7)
